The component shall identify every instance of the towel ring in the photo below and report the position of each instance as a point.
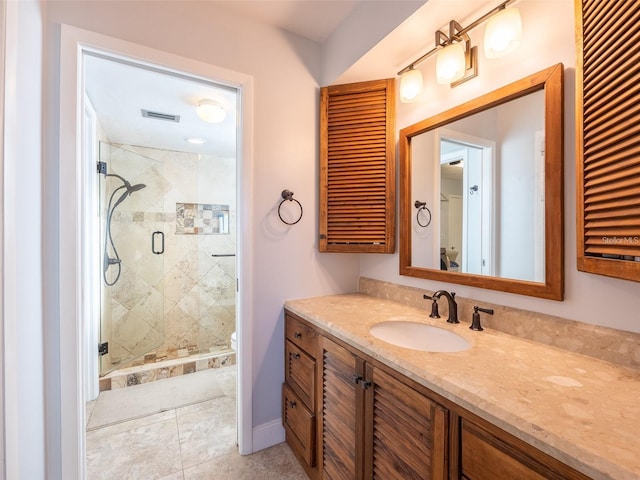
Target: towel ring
(288, 195)
(422, 206)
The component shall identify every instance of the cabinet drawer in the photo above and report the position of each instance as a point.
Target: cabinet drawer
(302, 335)
(299, 423)
(300, 373)
(487, 456)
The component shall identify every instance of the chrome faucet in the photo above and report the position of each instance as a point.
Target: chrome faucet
(453, 306)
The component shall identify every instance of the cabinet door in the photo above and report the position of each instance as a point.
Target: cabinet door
(357, 167)
(341, 411)
(408, 432)
(607, 117)
(495, 455)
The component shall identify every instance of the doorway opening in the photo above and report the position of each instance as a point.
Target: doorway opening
(77, 341)
(162, 234)
(467, 230)
(159, 236)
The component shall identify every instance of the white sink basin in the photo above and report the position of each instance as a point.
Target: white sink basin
(419, 336)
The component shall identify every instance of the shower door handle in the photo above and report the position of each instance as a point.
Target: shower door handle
(154, 236)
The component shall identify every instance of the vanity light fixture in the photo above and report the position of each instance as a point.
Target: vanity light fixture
(456, 58)
(503, 33)
(210, 111)
(410, 84)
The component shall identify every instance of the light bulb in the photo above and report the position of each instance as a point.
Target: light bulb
(210, 111)
(450, 63)
(410, 85)
(503, 33)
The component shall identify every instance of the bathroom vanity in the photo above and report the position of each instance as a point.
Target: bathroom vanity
(355, 406)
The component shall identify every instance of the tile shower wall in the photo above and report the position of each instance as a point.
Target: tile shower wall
(182, 302)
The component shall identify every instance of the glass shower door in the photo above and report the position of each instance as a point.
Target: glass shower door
(132, 235)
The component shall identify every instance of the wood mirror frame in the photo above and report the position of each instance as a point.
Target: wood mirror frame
(550, 81)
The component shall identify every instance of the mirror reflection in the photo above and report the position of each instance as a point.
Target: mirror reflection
(483, 180)
(481, 199)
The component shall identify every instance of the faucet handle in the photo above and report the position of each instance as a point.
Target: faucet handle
(475, 318)
(434, 306)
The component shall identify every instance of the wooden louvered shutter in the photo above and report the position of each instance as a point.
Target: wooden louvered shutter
(408, 432)
(357, 167)
(608, 137)
(341, 427)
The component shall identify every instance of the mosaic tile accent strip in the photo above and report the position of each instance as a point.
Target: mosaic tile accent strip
(202, 219)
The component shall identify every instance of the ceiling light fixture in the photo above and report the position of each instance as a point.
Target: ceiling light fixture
(457, 59)
(196, 140)
(210, 111)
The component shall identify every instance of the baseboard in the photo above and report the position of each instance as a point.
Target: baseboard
(267, 435)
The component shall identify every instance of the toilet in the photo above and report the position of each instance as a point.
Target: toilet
(233, 341)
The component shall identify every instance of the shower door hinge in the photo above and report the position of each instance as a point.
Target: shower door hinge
(102, 167)
(103, 348)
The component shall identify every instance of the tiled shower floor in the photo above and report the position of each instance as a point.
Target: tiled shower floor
(197, 441)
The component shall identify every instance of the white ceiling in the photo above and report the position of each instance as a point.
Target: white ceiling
(118, 91)
(312, 19)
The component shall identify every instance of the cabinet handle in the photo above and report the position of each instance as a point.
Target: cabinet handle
(292, 404)
(366, 385)
(357, 379)
(297, 335)
(295, 356)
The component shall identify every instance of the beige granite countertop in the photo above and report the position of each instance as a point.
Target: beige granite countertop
(583, 411)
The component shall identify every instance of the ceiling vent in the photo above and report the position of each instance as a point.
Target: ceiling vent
(160, 116)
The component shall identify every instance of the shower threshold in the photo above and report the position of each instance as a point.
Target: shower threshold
(166, 368)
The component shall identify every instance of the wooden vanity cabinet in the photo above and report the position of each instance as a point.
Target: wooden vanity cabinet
(299, 392)
(374, 425)
(349, 417)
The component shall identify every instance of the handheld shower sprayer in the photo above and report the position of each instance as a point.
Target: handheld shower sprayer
(108, 239)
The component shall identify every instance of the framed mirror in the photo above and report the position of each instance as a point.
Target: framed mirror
(481, 191)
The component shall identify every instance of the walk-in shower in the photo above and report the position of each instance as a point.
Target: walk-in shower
(165, 263)
(168, 259)
(108, 260)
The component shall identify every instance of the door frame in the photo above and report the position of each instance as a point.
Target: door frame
(73, 42)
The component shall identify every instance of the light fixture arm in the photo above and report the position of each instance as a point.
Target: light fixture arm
(456, 32)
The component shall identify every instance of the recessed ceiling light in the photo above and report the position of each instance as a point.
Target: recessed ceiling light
(196, 140)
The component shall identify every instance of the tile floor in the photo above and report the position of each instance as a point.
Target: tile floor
(193, 442)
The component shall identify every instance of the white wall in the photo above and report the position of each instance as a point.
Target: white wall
(23, 349)
(517, 185)
(423, 176)
(548, 39)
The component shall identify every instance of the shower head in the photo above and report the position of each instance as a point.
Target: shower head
(134, 188)
(130, 188)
